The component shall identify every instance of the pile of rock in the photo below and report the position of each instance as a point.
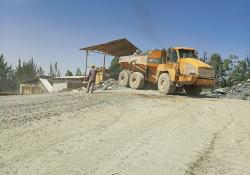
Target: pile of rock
(218, 93)
(239, 91)
(109, 84)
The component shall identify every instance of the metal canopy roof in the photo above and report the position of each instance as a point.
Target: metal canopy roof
(120, 47)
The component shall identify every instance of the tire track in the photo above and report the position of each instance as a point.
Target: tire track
(204, 158)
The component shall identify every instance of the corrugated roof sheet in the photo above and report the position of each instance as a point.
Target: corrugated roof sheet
(120, 47)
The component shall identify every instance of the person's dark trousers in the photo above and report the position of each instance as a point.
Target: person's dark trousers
(90, 86)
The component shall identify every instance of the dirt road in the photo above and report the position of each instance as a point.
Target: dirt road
(123, 133)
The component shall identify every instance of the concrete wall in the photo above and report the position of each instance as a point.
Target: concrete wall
(75, 85)
(27, 89)
(59, 86)
(64, 84)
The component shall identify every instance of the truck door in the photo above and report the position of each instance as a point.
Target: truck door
(171, 64)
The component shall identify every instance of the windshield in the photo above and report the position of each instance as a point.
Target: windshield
(187, 53)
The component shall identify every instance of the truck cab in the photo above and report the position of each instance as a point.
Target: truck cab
(185, 69)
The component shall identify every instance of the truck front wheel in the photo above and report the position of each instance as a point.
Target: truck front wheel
(165, 85)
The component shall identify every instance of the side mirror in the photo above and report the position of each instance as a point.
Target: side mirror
(196, 53)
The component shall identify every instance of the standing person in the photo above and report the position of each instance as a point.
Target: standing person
(91, 77)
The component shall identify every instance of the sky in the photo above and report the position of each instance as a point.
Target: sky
(54, 30)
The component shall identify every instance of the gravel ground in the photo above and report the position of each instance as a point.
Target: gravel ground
(123, 132)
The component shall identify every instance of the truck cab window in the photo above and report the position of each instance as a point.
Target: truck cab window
(173, 56)
(187, 53)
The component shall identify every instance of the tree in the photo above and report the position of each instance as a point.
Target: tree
(40, 71)
(239, 73)
(69, 73)
(51, 70)
(54, 70)
(78, 72)
(226, 70)
(247, 60)
(7, 82)
(25, 71)
(115, 67)
(216, 62)
(233, 71)
(4, 68)
(235, 61)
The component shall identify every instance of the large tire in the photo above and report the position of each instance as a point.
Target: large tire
(136, 80)
(193, 90)
(124, 78)
(165, 85)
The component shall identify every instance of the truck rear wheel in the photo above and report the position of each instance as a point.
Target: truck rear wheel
(165, 85)
(136, 80)
(124, 78)
(193, 90)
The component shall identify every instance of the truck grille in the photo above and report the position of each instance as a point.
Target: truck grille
(205, 72)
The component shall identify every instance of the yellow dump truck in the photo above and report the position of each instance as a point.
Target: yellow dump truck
(169, 69)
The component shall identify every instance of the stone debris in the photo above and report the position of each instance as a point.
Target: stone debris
(109, 84)
(82, 89)
(239, 91)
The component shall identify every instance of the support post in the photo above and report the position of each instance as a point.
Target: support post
(103, 68)
(86, 64)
